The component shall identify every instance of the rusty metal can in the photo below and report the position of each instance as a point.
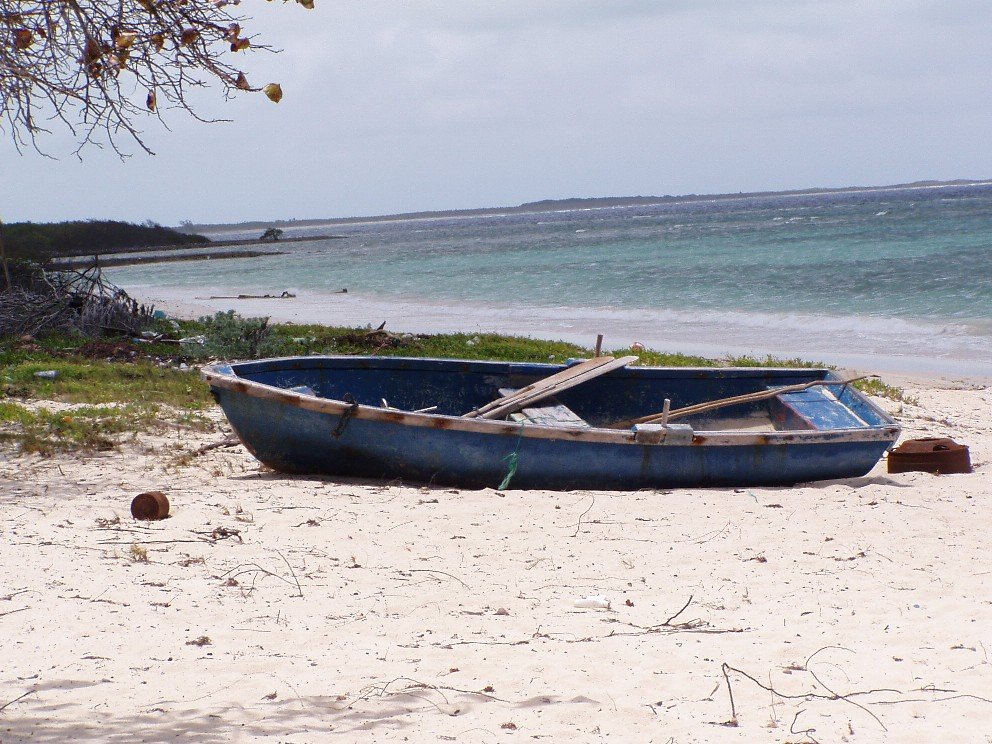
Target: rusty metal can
(938, 455)
(150, 505)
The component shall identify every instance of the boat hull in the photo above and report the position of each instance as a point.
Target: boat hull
(305, 434)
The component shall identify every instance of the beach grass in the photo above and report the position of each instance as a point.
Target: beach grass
(876, 386)
(37, 429)
(306, 339)
(121, 387)
(292, 339)
(96, 382)
(772, 361)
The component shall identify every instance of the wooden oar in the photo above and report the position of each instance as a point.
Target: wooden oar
(735, 400)
(557, 382)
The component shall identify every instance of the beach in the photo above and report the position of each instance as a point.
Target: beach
(890, 347)
(308, 609)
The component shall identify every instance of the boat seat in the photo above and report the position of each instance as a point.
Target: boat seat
(815, 408)
(549, 412)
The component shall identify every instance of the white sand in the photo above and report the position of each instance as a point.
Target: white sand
(374, 612)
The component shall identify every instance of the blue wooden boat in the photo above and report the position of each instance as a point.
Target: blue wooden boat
(365, 417)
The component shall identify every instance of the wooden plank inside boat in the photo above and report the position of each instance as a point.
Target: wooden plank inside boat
(565, 375)
(551, 413)
(564, 380)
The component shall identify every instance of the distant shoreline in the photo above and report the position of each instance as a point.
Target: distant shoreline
(559, 205)
(81, 261)
(259, 241)
(197, 246)
(178, 252)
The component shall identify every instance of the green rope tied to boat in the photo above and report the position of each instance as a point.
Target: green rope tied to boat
(512, 460)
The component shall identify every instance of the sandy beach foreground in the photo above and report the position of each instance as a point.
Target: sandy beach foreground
(304, 609)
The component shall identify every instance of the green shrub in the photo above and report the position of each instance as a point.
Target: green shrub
(229, 336)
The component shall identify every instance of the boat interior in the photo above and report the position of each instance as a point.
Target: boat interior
(615, 399)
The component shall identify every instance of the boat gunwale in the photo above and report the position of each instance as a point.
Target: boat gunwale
(223, 375)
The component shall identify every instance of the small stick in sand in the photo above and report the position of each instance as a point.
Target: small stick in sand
(684, 608)
(443, 573)
(578, 525)
(19, 697)
(229, 442)
(295, 580)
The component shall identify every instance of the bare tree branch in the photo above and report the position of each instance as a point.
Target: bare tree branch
(96, 67)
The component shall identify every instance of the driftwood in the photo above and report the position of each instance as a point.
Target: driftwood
(286, 295)
(40, 301)
(228, 442)
(668, 415)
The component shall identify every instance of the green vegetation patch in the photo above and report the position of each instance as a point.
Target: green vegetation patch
(40, 241)
(101, 382)
(229, 336)
(649, 358)
(773, 361)
(89, 428)
(149, 391)
(875, 386)
(308, 339)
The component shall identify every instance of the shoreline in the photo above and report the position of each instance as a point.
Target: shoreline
(79, 262)
(173, 254)
(551, 206)
(662, 331)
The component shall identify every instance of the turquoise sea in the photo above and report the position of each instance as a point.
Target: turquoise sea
(902, 272)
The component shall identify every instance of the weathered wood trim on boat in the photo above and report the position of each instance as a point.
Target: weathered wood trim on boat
(223, 376)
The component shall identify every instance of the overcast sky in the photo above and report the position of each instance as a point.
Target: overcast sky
(446, 104)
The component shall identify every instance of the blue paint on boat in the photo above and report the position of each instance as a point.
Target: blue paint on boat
(325, 415)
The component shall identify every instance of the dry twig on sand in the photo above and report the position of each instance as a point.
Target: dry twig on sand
(255, 570)
(19, 697)
(435, 571)
(232, 441)
(411, 689)
(578, 524)
(831, 695)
